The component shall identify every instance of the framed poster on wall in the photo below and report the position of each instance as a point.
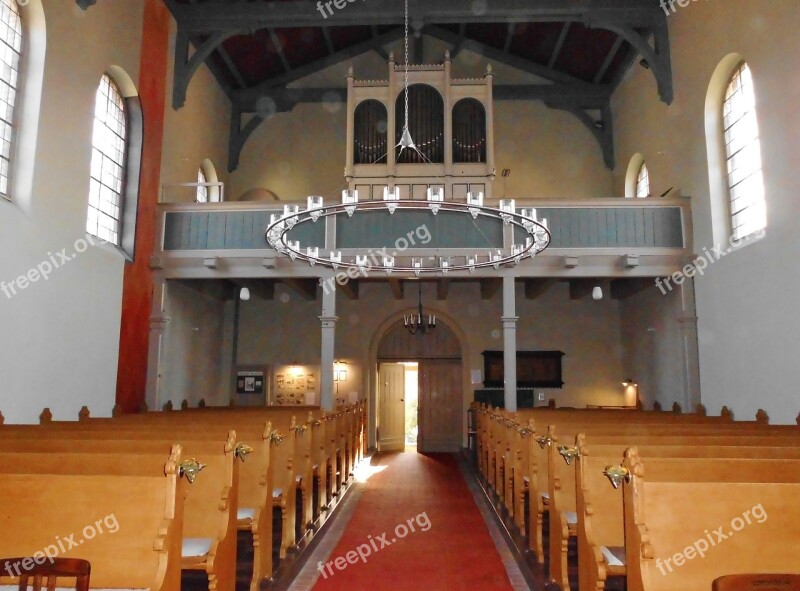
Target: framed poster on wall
(250, 385)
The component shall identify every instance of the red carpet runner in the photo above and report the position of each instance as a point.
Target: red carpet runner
(435, 538)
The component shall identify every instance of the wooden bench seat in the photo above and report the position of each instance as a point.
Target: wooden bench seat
(126, 524)
(741, 517)
(211, 501)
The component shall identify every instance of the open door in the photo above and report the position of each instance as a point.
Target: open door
(391, 428)
(440, 399)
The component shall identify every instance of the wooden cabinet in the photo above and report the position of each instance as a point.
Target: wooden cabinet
(535, 369)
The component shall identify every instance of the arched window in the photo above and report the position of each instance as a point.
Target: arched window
(748, 210)
(469, 131)
(426, 123)
(202, 187)
(10, 59)
(643, 182)
(371, 125)
(109, 153)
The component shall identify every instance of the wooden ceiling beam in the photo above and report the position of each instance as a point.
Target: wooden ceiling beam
(305, 288)
(490, 287)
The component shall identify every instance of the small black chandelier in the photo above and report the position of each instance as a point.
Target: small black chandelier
(417, 323)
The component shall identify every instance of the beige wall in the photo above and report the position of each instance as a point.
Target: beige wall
(287, 330)
(197, 131)
(196, 354)
(301, 153)
(748, 323)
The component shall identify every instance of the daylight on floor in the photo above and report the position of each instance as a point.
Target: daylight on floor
(399, 295)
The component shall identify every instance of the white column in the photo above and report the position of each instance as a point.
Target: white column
(351, 107)
(690, 348)
(510, 344)
(158, 323)
(328, 320)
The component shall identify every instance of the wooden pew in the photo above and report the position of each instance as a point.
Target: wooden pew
(599, 505)
(59, 509)
(209, 531)
(254, 511)
(562, 508)
(751, 503)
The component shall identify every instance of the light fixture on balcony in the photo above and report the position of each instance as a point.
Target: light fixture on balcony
(418, 323)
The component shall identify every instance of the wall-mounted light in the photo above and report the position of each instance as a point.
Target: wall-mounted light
(597, 293)
(629, 382)
(339, 372)
(244, 294)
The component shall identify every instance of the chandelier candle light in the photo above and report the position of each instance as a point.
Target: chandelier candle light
(537, 235)
(415, 323)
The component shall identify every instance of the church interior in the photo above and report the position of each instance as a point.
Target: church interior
(397, 295)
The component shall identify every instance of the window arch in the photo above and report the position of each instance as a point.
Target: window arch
(208, 187)
(109, 154)
(202, 187)
(748, 211)
(469, 131)
(11, 43)
(637, 177)
(426, 122)
(116, 162)
(643, 181)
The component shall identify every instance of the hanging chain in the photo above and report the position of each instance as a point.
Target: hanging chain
(406, 72)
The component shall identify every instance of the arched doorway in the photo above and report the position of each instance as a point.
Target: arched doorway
(434, 363)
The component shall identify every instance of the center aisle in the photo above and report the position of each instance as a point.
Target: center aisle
(435, 538)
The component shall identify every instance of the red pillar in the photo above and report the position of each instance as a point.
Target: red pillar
(137, 290)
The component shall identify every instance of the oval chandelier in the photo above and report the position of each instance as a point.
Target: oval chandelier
(537, 234)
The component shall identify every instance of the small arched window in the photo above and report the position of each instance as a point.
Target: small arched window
(748, 210)
(202, 186)
(10, 59)
(643, 182)
(109, 152)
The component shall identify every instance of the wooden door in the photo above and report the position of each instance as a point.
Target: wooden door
(392, 425)
(440, 405)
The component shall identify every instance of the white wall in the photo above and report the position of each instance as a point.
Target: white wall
(748, 322)
(61, 335)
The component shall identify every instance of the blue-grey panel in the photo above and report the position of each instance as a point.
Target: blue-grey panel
(570, 227)
(379, 229)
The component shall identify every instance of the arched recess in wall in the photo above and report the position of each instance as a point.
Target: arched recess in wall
(259, 194)
(370, 138)
(426, 122)
(391, 324)
(632, 175)
(28, 103)
(210, 174)
(719, 191)
(469, 131)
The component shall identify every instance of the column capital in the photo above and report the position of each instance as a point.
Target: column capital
(159, 322)
(510, 321)
(328, 321)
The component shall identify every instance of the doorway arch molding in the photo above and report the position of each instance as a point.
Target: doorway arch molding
(389, 323)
